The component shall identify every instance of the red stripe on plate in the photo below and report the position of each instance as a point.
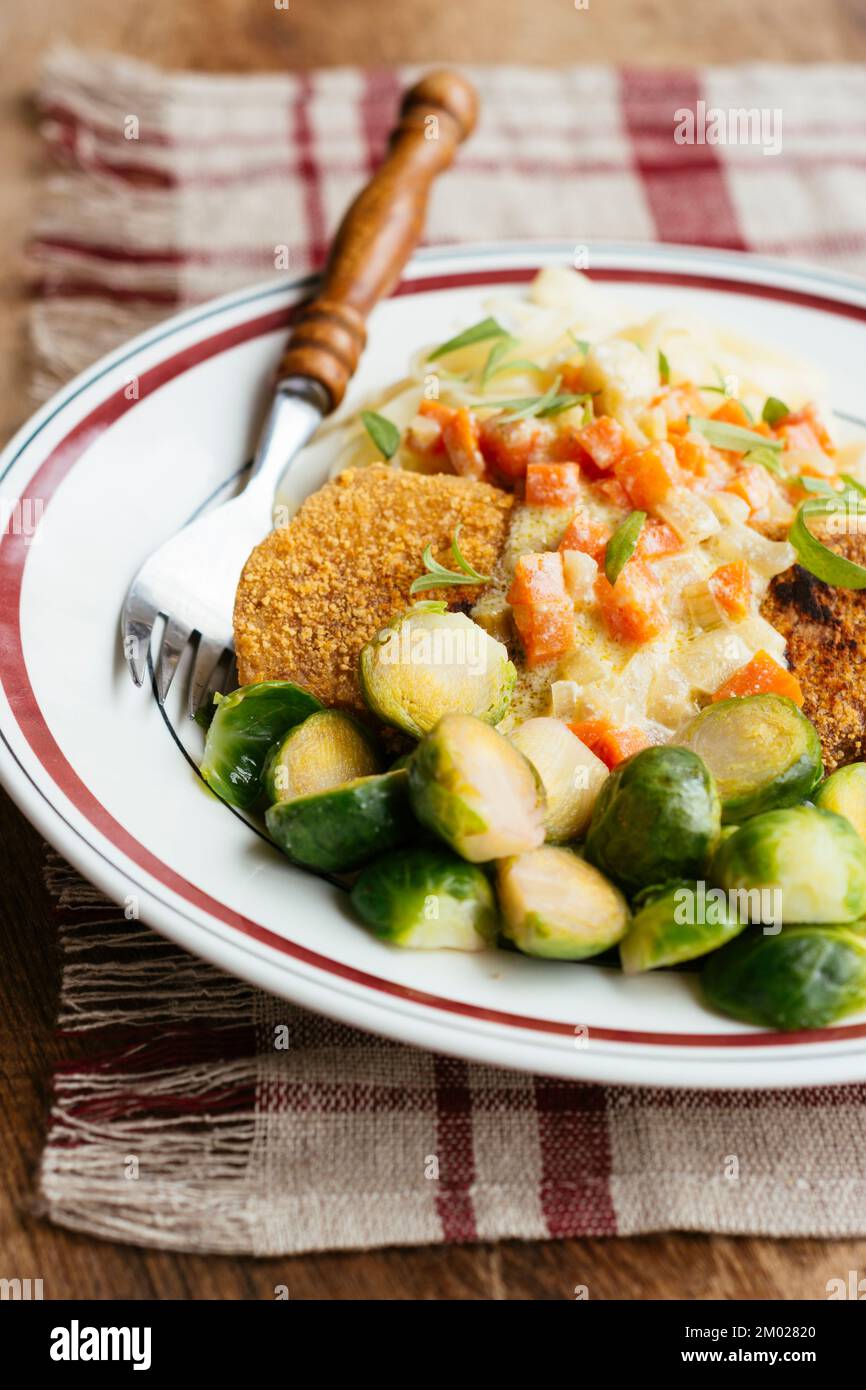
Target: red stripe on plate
(25, 708)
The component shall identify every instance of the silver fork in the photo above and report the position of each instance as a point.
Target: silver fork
(190, 581)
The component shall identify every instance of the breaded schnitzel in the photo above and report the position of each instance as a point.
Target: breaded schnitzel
(315, 591)
(825, 629)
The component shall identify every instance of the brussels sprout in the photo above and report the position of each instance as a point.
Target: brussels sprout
(475, 790)
(676, 923)
(427, 899)
(845, 793)
(429, 662)
(813, 861)
(570, 773)
(656, 818)
(556, 905)
(245, 727)
(329, 748)
(761, 749)
(338, 830)
(806, 977)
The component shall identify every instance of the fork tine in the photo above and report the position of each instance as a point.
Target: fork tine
(174, 639)
(208, 658)
(136, 625)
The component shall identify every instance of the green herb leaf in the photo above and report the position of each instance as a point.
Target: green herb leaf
(438, 576)
(581, 343)
(430, 605)
(384, 433)
(494, 365)
(734, 437)
(664, 369)
(853, 484)
(818, 485)
(768, 459)
(478, 333)
(622, 545)
(774, 410)
(528, 406)
(816, 557)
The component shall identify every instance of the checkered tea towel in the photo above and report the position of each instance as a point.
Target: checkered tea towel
(179, 1124)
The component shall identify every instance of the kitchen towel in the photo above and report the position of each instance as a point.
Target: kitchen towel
(201, 1114)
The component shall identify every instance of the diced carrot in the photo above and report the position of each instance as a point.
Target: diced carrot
(809, 418)
(552, 484)
(436, 410)
(604, 441)
(582, 533)
(761, 676)
(572, 377)
(678, 403)
(753, 484)
(696, 456)
(546, 629)
(799, 434)
(733, 413)
(614, 492)
(425, 434)
(509, 446)
(607, 742)
(632, 608)
(648, 475)
(731, 587)
(538, 578)
(657, 538)
(461, 443)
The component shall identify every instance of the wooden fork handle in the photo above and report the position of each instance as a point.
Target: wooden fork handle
(379, 233)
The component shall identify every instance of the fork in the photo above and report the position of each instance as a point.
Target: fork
(190, 581)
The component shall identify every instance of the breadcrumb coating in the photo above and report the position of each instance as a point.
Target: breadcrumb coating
(315, 591)
(825, 629)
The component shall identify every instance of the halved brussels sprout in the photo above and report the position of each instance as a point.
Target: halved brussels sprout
(844, 792)
(806, 977)
(429, 662)
(570, 773)
(678, 922)
(427, 900)
(329, 748)
(245, 727)
(557, 906)
(339, 830)
(475, 790)
(657, 818)
(812, 860)
(761, 749)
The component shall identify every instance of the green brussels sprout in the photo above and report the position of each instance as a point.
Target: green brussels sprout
(338, 830)
(329, 748)
(844, 792)
(805, 977)
(657, 818)
(678, 922)
(427, 900)
(570, 773)
(557, 906)
(245, 727)
(471, 787)
(429, 662)
(812, 861)
(762, 751)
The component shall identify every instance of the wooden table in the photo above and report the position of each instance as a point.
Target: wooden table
(241, 35)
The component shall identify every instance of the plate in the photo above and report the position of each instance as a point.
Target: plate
(133, 448)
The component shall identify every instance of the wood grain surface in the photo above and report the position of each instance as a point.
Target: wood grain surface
(246, 35)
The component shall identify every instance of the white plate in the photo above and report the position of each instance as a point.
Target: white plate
(118, 461)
